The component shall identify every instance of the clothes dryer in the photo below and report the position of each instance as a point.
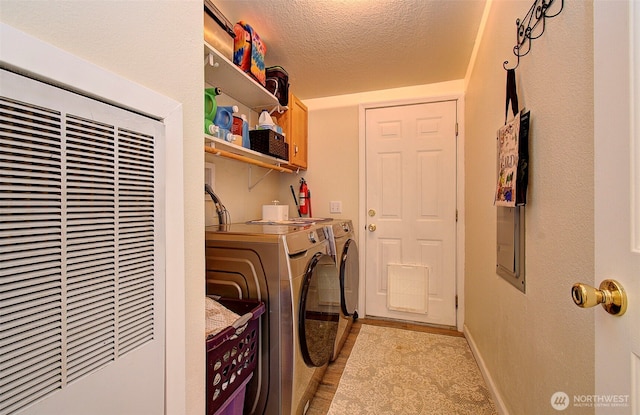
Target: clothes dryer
(347, 261)
(290, 269)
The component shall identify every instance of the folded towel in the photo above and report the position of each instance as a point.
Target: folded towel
(218, 317)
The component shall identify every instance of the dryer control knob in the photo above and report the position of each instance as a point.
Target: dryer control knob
(312, 237)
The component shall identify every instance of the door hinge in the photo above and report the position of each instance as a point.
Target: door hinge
(456, 215)
(456, 301)
(456, 129)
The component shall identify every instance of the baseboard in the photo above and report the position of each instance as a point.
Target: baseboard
(497, 399)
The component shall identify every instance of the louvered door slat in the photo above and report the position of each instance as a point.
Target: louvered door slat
(132, 275)
(29, 392)
(36, 366)
(42, 346)
(88, 367)
(29, 269)
(13, 281)
(91, 354)
(84, 338)
(81, 332)
(52, 158)
(15, 370)
(94, 305)
(105, 272)
(29, 327)
(29, 296)
(39, 140)
(134, 327)
(142, 242)
(18, 314)
(39, 344)
(78, 297)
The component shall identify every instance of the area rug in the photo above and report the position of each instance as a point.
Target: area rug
(402, 372)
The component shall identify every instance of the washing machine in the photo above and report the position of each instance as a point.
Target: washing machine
(347, 259)
(291, 270)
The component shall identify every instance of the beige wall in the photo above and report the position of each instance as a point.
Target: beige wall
(537, 343)
(233, 179)
(333, 163)
(159, 45)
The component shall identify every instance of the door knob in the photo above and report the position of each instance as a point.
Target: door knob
(372, 227)
(610, 294)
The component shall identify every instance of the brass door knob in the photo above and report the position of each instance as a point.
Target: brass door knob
(372, 227)
(611, 295)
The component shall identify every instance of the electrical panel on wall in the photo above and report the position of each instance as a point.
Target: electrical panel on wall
(510, 245)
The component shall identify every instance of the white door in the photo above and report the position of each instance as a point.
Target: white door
(410, 263)
(617, 204)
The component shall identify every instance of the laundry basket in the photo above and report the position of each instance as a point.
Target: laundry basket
(232, 355)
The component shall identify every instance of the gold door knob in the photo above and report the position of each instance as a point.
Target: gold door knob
(372, 227)
(611, 295)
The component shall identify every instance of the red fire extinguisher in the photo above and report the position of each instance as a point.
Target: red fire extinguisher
(304, 196)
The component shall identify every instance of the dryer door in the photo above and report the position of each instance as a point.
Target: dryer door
(349, 279)
(319, 310)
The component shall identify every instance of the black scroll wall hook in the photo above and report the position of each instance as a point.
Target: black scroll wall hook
(531, 27)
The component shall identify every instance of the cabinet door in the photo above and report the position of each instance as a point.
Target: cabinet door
(294, 124)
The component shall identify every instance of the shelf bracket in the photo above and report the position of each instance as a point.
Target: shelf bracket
(279, 108)
(209, 60)
(251, 186)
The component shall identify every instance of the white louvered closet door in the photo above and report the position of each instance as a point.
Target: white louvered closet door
(81, 254)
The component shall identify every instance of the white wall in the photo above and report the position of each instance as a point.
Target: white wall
(159, 45)
(537, 343)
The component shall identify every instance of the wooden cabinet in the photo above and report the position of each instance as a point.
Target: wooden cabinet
(294, 125)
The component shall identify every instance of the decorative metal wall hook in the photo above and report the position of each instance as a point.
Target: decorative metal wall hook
(531, 27)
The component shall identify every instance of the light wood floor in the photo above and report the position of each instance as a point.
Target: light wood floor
(324, 395)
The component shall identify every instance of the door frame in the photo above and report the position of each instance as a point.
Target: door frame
(460, 224)
(616, 97)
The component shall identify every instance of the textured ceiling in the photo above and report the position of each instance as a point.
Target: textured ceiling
(335, 47)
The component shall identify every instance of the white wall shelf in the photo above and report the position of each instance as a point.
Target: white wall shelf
(222, 73)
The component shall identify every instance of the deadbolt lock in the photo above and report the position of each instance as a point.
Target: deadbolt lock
(610, 294)
(372, 212)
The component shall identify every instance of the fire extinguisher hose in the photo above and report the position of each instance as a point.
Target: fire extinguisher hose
(293, 192)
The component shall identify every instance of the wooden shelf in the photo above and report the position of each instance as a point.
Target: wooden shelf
(218, 147)
(232, 81)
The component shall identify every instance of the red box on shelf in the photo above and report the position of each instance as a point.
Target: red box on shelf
(232, 356)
